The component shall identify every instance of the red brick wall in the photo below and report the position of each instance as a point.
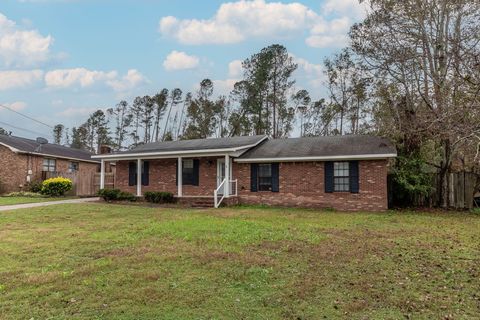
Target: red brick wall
(163, 177)
(302, 185)
(14, 169)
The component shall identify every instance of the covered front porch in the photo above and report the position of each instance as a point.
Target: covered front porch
(200, 180)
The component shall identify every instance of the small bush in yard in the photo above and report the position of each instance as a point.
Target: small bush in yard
(35, 187)
(159, 197)
(55, 187)
(116, 195)
(127, 196)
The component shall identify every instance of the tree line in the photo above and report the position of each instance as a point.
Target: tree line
(411, 72)
(262, 103)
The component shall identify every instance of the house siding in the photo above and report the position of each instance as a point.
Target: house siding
(14, 169)
(301, 184)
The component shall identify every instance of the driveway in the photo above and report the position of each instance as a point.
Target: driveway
(44, 204)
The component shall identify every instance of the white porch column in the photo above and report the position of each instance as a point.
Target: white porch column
(139, 177)
(227, 176)
(102, 174)
(179, 177)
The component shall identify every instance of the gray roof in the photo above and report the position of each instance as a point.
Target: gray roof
(24, 145)
(331, 146)
(196, 144)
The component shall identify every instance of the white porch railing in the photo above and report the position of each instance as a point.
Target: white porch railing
(219, 194)
(233, 187)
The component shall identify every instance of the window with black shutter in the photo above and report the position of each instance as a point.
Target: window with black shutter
(265, 177)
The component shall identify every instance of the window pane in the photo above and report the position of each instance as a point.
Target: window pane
(187, 171)
(188, 163)
(48, 165)
(341, 169)
(342, 184)
(265, 170)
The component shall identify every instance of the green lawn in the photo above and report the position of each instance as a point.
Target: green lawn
(6, 201)
(101, 261)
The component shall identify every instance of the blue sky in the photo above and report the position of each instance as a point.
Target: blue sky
(62, 59)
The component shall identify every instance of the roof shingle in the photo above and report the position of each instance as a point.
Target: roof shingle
(32, 146)
(196, 144)
(330, 146)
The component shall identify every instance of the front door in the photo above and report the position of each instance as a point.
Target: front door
(220, 174)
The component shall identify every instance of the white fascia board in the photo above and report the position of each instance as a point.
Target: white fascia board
(322, 158)
(174, 154)
(10, 147)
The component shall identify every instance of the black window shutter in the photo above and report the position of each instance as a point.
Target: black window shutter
(329, 186)
(146, 173)
(196, 172)
(275, 177)
(354, 177)
(132, 173)
(253, 177)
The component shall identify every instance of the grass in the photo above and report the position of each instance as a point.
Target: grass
(96, 261)
(7, 201)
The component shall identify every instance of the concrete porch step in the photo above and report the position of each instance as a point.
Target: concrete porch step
(197, 202)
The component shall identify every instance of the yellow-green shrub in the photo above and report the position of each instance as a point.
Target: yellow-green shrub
(56, 187)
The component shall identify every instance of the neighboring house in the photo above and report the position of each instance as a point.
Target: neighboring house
(24, 160)
(342, 172)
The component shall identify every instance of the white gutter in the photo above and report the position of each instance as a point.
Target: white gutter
(9, 147)
(319, 158)
(167, 154)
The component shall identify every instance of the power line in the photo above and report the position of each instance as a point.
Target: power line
(22, 129)
(24, 115)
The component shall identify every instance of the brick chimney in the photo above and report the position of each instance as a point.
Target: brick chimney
(104, 149)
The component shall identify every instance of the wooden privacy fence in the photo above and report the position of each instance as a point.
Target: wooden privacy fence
(86, 184)
(462, 189)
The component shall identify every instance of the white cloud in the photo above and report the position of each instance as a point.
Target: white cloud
(19, 79)
(331, 33)
(83, 78)
(236, 21)
(16, 106)
(22, 47)
(351, 8)
(224, 87)
(313, 73)
(64, 78)
(235, 68)
(177, 60)
(131, 80)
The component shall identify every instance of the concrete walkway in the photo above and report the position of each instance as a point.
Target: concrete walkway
(47, 203)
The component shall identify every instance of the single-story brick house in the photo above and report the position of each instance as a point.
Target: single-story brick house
(24, 160)
(341, 172)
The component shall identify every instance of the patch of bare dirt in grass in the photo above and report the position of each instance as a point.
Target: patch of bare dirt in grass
(42, 278)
